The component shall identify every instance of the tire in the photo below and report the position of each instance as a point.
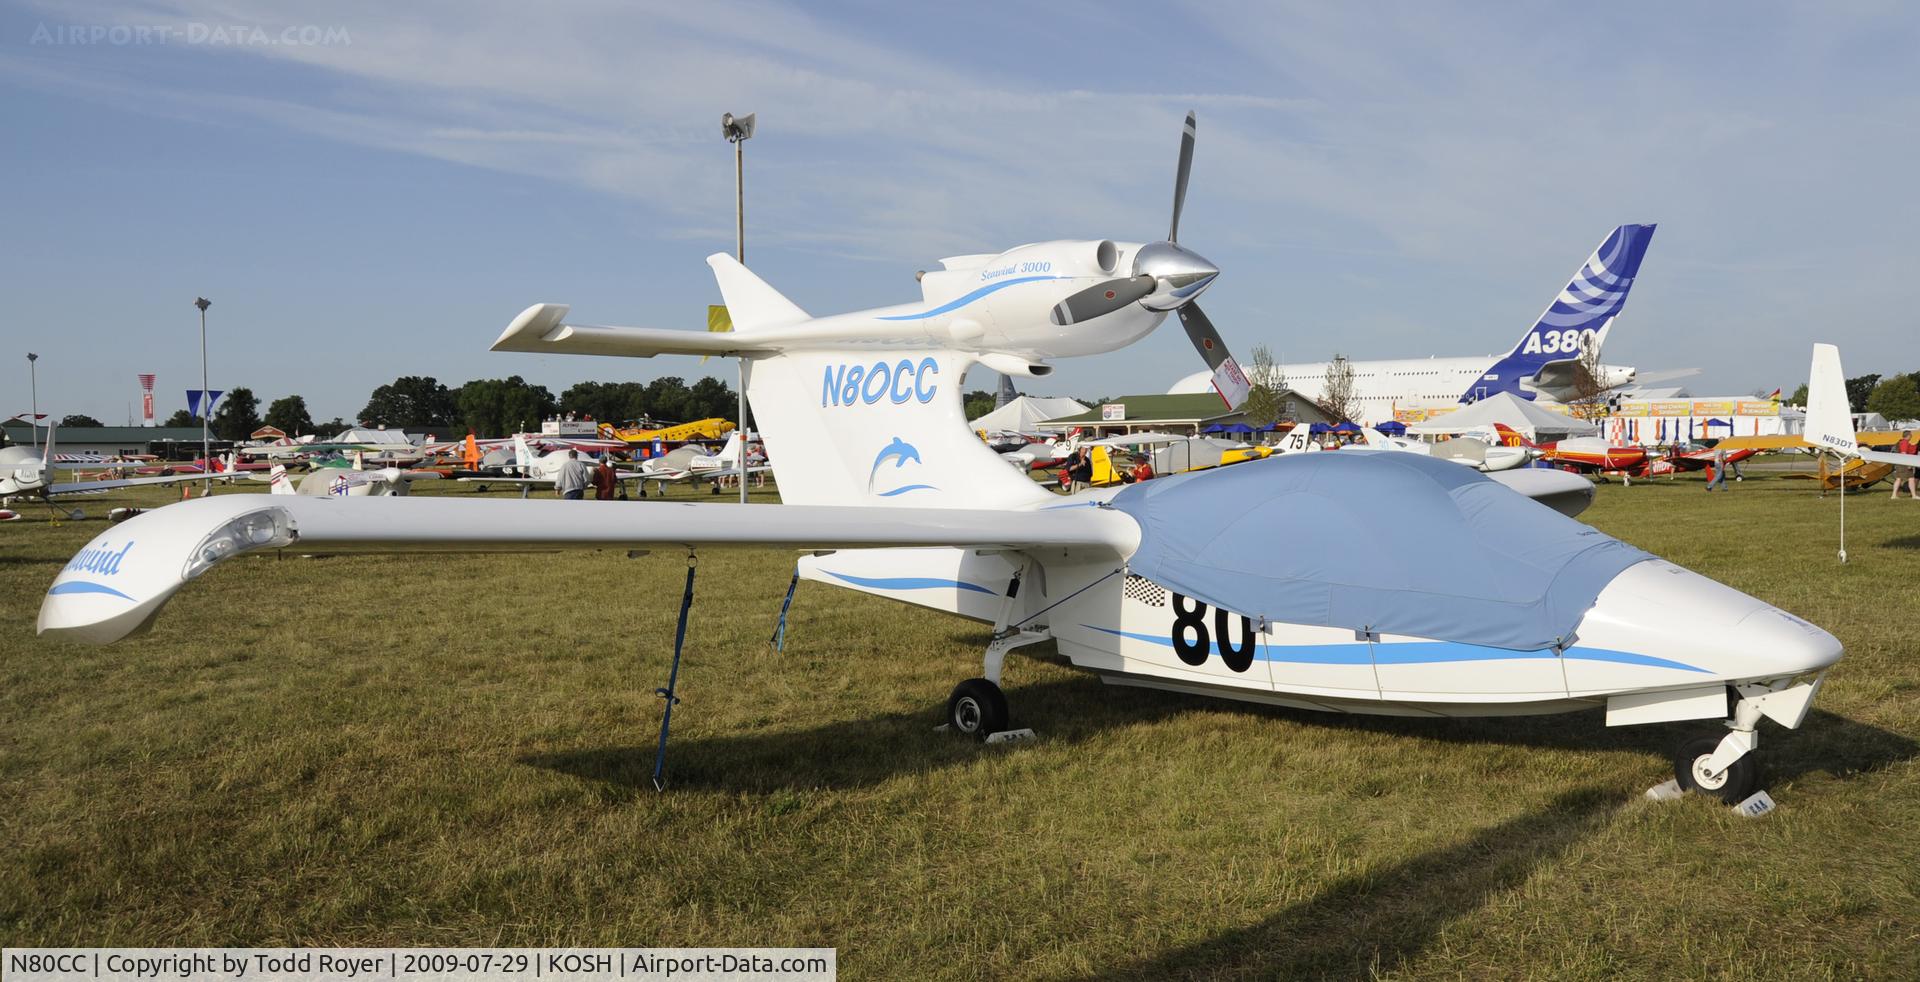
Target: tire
(1733, 787)
(977, 708)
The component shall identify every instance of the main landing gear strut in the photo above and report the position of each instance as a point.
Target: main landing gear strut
(977, 708)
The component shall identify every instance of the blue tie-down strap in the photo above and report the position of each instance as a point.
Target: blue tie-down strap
(673, 679)
(779, 639)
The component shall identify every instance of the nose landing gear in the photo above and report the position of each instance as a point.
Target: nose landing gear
(1723, 767)
(1692, 771)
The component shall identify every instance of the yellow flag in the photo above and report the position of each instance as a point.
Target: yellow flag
(718, 322)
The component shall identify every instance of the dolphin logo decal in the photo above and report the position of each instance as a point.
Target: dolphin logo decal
(899, 451)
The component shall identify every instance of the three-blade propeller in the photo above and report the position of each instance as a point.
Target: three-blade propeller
(1167, 277)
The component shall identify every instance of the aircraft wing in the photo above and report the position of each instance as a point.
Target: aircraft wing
(1782, 441)
(118, 583)
(83, 487)
(1889, 457)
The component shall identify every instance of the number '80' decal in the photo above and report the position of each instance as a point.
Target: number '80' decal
(1191, 640)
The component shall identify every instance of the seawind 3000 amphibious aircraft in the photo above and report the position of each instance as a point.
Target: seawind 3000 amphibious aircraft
(1269, 581)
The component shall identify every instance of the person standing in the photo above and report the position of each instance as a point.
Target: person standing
(605, 479)
(1080, 471)
(573, 478)
(1719, 479)
(1904, 472)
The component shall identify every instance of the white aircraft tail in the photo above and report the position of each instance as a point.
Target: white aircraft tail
(523, 456)
(729, 454)
(279, 482)
(1829, 416)
(878, 427)
(752, 305)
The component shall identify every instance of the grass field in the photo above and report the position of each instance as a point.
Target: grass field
(407, 750)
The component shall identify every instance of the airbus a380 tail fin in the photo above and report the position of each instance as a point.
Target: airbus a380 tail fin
(1577, 320)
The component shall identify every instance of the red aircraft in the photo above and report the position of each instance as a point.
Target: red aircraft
(1699, 458)
(1586, 453)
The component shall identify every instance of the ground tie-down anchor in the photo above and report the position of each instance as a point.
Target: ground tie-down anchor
(673, 679)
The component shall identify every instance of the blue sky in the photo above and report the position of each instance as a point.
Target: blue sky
(1379, 180)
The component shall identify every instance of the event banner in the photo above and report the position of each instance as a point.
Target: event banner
(1767, 407)
(1673, 409)
(1637, 410)
(1713, 407)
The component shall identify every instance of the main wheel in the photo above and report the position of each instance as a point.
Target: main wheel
(1733, 786)
(977, 708)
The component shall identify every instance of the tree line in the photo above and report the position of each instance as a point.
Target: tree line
(488, 406)
(1896, 397)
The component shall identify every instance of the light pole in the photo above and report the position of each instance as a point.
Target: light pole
(206, 437)
(33, 379)
(738, 130)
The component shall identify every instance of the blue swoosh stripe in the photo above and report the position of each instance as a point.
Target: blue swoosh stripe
(907, 582)
(1416, 653)
(952, 305)
(1629, 658)
(84, 586)
(910, 487)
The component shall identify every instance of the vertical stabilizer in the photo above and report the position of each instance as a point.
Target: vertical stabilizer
(1829, 415)
(879, 427)
(1578, 319)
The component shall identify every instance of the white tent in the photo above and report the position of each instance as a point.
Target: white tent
(1026, 413)
(1516, 413)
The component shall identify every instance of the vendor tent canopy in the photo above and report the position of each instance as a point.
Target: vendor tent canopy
(1392, 427)
(1026, 413)
(1516, 413)
(1345, 426)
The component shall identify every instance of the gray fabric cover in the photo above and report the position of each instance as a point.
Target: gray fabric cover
(1393, 543)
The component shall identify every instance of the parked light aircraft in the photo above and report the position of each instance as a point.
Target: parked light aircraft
(691, 463)
(1273, 581)
(1475, 453)
(1830, 428)
(1543, 362)
(22, 475)
(343, 482)
(1588, 454)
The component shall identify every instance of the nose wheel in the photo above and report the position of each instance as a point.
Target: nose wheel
(1693, 771)
(977, 708)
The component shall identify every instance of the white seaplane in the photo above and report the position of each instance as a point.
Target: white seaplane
(1274, 581)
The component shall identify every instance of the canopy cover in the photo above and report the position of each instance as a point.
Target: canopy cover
(1297, 539)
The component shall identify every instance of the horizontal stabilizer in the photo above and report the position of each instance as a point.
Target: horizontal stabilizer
(539, 329)
(118, 583)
